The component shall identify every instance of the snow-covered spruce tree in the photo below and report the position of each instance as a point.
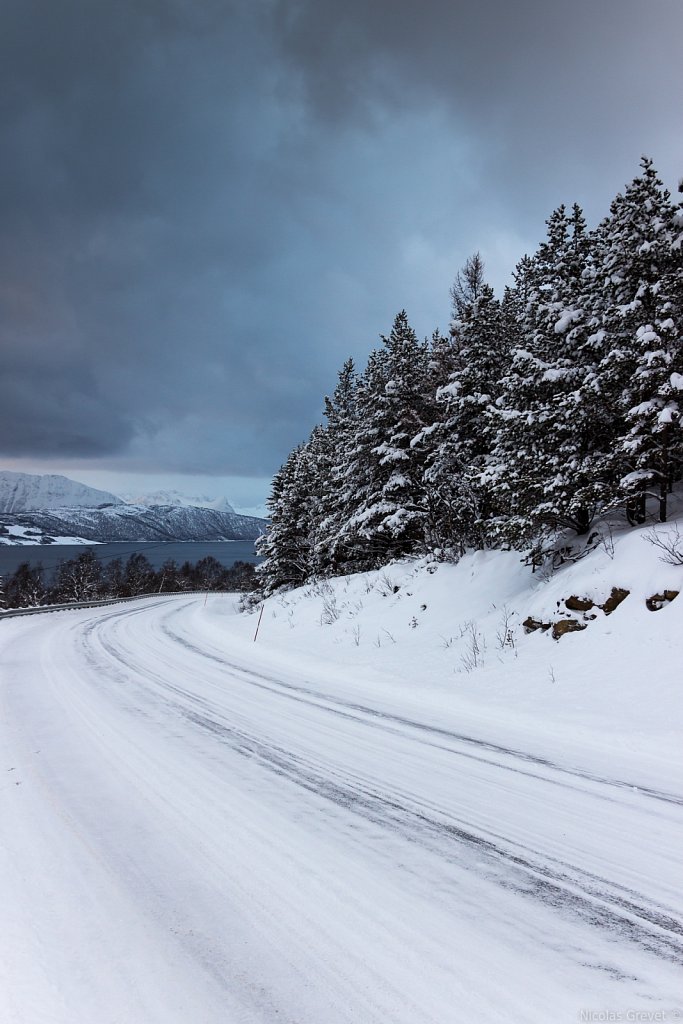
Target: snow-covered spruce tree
(285, 545)
(441, 364)
(580, 427)
(640, 327)
(290, 546)
(315, 484)
(541, 461)
(355, 469)
(458, 443)
(337, 499)
(383, 478)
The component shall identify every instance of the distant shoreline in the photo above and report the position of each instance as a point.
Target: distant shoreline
(227, 552)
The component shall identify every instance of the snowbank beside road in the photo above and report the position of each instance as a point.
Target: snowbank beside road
(450, 639)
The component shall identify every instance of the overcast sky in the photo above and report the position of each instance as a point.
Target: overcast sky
(206, 206)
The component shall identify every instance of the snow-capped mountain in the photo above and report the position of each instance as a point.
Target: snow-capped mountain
(24, 492)
(175, 498)
(39, 509)
(128, 523)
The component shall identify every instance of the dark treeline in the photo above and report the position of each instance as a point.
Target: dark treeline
(86, 578)
(539, 412)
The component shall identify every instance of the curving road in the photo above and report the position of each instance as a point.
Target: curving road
(188, 834)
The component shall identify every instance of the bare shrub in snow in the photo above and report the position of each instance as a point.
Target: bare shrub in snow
(505, 637)
(670, 543)
(475, 646)
(386, 585)
(607, 540)
(331, 611)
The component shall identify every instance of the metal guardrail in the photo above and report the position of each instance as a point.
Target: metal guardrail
(39, 609)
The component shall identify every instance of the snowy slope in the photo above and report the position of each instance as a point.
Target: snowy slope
(127, 523)
(427, 624)
(22, 492)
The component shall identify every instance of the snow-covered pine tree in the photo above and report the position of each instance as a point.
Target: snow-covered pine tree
(316, 480)
(288, 545)
(358, 470)
(441, 363)
(337, 502)
(459, 442)
(541, 458)
(579, 426)
(641, 331)
(384, 474)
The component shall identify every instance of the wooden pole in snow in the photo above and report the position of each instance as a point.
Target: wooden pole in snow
(259, 622)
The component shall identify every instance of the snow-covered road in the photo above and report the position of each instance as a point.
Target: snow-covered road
(188, 834)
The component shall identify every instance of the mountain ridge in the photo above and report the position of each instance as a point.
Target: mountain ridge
(127, 523)
(177, 498)
(30, 492)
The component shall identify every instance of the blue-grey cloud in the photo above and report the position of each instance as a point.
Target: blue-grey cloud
(206, 206)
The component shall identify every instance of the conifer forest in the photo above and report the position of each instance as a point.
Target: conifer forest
(541, 411)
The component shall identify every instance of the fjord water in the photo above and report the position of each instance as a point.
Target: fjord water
(50, 555)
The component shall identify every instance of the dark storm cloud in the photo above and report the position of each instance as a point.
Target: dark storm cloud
(206, 206)
(136, 137)
(540, 84)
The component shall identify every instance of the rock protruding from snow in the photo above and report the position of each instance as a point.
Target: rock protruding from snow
(26, 492)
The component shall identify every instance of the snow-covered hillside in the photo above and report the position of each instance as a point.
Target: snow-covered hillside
(454, 635)
(24, 492)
